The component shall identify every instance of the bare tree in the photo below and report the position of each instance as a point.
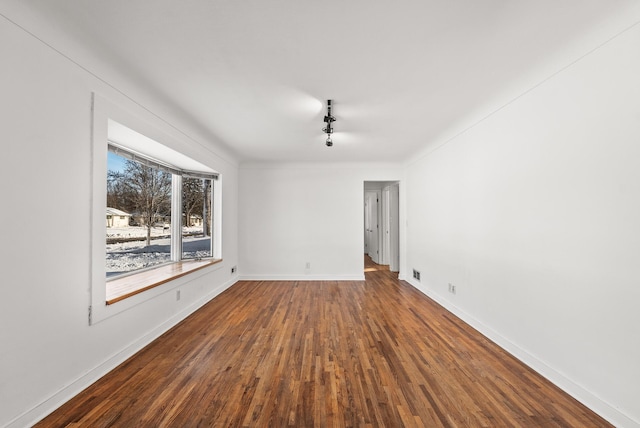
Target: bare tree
(148, 190)
(117, 191)
(192, 189)
(206, 208)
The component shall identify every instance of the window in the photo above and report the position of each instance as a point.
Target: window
(144, 192)
(171, 211)
(156, 212)
(197, 194)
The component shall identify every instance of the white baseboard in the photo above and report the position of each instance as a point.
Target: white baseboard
(593, 402)
(302, 277)
(37, 413)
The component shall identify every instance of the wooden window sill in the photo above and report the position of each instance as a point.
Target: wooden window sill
(130, 285)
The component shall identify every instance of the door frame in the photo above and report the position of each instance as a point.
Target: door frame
(385, 253)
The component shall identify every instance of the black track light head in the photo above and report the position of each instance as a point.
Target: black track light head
(329, 119)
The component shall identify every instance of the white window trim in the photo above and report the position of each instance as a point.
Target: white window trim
(102, 111)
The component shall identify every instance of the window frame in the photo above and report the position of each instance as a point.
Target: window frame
(178, 272)
(179, 187)
(127, 284)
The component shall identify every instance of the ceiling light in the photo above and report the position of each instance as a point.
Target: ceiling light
(329, 119)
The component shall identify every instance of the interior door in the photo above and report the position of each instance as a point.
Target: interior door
(371, 224)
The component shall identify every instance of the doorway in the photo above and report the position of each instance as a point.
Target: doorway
(381, 223)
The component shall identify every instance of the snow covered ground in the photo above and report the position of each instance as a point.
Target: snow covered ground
(141, 231)
(129, 256)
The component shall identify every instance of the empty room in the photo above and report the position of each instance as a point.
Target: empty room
(294, 213)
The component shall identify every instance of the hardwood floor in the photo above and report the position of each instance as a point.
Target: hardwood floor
(329, 353)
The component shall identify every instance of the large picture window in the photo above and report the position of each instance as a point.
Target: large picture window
(139, 192)
(168, 216)
(156, 210)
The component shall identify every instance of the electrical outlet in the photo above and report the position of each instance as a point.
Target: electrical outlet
(416, 275)
(177, 294)
(452, 288)
(234, 269)
(308, 265)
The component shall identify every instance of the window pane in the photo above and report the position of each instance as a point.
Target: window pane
(196, 218)
(138, 232)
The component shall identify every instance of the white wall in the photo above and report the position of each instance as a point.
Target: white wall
(48, 352)
(293, 214)
(534, 215)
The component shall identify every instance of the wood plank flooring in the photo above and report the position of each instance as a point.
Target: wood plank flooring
(323, 354)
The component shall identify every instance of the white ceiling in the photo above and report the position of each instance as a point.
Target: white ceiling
(256, 74)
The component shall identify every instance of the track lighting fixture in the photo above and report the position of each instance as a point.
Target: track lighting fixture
(329, 119)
